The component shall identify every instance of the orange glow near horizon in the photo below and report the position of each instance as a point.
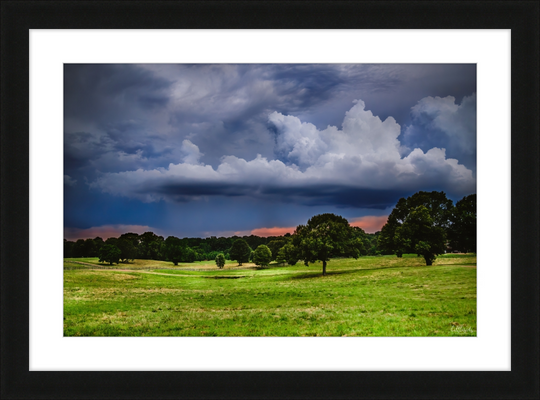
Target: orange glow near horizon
(370, 223)
(275, 231)
(105, 231)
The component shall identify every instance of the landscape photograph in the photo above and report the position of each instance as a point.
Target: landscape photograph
(270, 200)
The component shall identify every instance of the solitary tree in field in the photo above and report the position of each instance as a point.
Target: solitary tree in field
(109, 253)
(325, 236)
(262, 255)
(220, 260)
(240, 251)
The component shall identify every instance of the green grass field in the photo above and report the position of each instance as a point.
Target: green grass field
(371, 296)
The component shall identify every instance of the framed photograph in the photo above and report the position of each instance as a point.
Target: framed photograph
(273, 104)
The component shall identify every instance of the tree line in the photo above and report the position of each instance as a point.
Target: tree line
(154, 247)
(426, 223)
(130, 246)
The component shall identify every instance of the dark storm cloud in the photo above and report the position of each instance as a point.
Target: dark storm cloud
(187, 191)
(309, 195)
(416, 81)
(305, 85)
(115, 106)
(351, 167)
(103, 91)
(81, 147)
(229, 105)
(158, 136)
(337, 195)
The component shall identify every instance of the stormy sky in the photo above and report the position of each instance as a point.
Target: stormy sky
(216, 149)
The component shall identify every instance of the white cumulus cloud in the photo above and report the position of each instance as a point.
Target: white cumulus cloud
(191, 152)
(363, 155)
(456, 121)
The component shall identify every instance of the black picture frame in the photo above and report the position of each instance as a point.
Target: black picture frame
(17, 17)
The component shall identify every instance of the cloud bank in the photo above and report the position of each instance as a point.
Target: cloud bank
(202, 149)
(355, 166)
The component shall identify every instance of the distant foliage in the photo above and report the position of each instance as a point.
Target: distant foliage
(462, 231)
(127, 250)
(109, 253)
(172, 249)
(189, 255)
(150, 246)
(275, 246)
(288, 254)
(211, 255)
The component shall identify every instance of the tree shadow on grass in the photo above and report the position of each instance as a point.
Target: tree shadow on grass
(225, 277)
(318, 274)
(456, 265)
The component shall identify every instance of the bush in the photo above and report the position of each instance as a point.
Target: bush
(220, 261)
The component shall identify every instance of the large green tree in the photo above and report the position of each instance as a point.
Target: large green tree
(262, 255)
(240, 251)
(438, 205)
(326, 236)
(393, 240)
(422, 235)
(462, 231)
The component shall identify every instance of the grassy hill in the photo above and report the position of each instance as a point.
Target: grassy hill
(371, 296)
